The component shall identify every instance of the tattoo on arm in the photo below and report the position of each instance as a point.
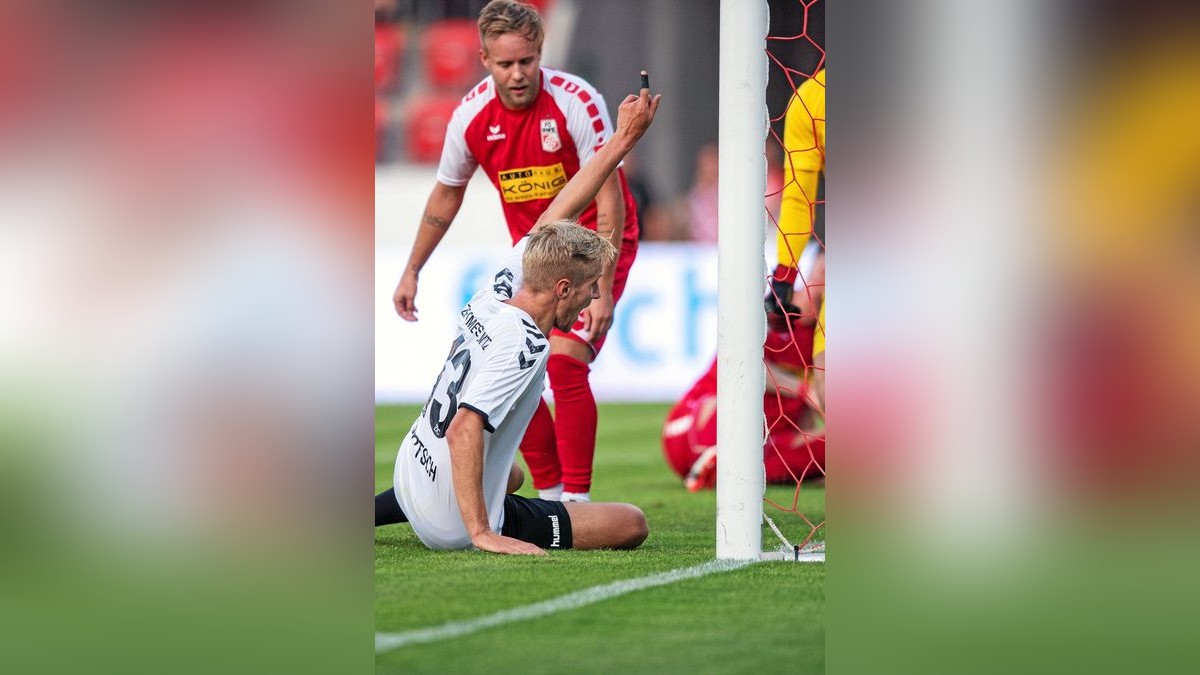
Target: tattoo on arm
(436, 221)
(602, 227)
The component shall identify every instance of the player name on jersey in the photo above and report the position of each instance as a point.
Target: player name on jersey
(474, 327)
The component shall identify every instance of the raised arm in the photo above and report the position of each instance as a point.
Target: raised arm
(633, 118)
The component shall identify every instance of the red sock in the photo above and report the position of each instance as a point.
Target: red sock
(539, 450)
(574, 420)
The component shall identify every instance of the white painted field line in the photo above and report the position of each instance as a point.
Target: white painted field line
(388, 641)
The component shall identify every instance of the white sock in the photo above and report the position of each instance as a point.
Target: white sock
(577, 496)
(552, 494)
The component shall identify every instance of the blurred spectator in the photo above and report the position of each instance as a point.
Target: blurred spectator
(651, 216)
(702, 196)
(694, 217)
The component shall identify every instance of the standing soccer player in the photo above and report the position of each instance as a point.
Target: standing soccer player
(531, 129)
(804, 144)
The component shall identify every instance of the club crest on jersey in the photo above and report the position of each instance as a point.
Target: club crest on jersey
(494, 133)
(550, 140)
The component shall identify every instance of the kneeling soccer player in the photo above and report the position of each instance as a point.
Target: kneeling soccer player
(795, 445)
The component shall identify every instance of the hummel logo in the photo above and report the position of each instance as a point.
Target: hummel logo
(503, 287)
(534, 349)
(494, 133)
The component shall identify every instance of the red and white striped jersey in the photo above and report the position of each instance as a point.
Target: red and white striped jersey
(529, 155)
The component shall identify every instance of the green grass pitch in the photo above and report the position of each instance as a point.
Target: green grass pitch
(768, 617)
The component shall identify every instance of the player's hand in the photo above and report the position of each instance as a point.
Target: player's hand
(635, 113)
(405, 297)
(497, 543)
(598, 318)
(780, 309)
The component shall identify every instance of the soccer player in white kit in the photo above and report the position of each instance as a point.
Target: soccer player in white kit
(454, 469)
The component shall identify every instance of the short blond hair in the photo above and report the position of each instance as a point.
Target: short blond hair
(501, 17)
(564, 249)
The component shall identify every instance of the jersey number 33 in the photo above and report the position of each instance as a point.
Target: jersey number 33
(443, 400)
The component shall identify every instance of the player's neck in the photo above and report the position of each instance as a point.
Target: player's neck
(540, 306)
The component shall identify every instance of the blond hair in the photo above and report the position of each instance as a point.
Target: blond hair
(565, 249)
(501, 17)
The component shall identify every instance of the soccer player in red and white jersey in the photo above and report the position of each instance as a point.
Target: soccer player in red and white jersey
(531, 128)
(795, 444)
(793, 403)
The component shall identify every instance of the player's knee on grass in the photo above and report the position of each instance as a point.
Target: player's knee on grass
(607, 525)
(516, 478)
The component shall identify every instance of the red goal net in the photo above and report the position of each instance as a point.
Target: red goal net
(794, 418)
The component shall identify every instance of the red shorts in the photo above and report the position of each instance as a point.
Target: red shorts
(629, 249)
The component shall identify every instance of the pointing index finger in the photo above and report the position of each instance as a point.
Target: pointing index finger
(645, 81)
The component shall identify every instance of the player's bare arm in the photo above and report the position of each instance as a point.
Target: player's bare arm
(610, 215)
(465, 438)
(634, 117)
(440, 210)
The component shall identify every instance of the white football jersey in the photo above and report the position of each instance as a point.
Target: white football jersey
(496, 367)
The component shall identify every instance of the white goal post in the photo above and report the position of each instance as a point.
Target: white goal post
(741, 273)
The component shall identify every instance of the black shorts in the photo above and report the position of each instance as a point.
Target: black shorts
(537, 521)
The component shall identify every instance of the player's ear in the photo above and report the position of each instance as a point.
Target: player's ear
(483, 53)
(562, 289)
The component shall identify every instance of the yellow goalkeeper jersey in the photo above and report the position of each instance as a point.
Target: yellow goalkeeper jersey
(804, 146)
(819, 333)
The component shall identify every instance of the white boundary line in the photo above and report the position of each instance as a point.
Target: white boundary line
(385, 642)
(802, 556)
